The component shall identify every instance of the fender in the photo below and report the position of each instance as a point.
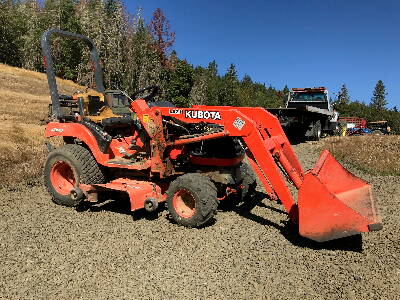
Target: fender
(81, 132)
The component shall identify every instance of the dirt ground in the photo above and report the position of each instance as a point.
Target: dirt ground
(54, 252)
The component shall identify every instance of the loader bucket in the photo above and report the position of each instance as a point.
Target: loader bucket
(334, 203)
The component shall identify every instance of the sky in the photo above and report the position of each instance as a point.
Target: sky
(299, 43)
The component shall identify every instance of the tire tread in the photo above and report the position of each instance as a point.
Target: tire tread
(206, 193)
(89, 171)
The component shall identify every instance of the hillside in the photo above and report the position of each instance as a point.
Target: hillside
(24, 98)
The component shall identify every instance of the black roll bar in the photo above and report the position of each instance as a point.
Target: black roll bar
(51, 77)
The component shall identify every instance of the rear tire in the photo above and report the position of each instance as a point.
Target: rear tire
(67, 167)
(192, 200)
(316, 131)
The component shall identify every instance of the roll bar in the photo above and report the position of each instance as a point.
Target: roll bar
(49, 65)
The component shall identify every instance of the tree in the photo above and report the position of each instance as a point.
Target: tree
(285, 93)
(272, 98)
(213, 82)
(144, 60)
(228, 93)
(11, 30)
(180, 84)
(160, 29)
(378, 100)
(212, 68)
(395, 109)
(343, 97)
(231, 73)
(198, 93)
(31, 57)
(114, 37)
(67, 53)
(245, 93)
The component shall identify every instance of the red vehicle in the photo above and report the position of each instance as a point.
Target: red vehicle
(359, 126)
(354, 125)
(192, 158)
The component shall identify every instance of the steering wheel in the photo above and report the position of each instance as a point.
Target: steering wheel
(154, 89)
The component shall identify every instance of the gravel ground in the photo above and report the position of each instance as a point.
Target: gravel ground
(49, 251)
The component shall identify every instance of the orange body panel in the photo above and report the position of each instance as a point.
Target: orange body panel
(137, 190)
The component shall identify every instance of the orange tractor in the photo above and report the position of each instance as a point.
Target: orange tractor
(192, 158)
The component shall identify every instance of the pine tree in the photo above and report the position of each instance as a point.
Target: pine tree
(247, 81)
(68, 51)
(198, 93)
(231, 74)
(180, 84)
(11, 31)
(114, 37)
(343, 97)
(395, 109)
(245, 91)
(273, 99)
(213, 83)
(31, 57)
(136, 38)
(378, 100)
(92, 18)
(285, 94)
(212, 68)
(173, 60)
(228, 94)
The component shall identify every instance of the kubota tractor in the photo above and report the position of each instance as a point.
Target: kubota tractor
(192, 158)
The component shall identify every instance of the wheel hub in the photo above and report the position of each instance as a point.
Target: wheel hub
(62, 177)
(184, 203)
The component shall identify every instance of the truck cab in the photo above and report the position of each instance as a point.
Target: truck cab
(317, 97)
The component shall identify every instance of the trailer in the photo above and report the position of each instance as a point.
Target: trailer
(308, 114)
(360, 126)
(380, 127)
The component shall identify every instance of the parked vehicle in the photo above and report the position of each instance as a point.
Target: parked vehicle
(308, 114)
(359, 126)
(379, 127)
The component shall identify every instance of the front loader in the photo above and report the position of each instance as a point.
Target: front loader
(192, 158)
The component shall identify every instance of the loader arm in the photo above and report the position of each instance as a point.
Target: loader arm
(332, 203)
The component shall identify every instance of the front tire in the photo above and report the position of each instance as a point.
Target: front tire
(65, 168)
(192, 200)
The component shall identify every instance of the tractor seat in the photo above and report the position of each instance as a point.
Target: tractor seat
(105, 117)
(100, 111)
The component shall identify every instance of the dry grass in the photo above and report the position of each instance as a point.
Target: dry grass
(24, 98)
(371, 153)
